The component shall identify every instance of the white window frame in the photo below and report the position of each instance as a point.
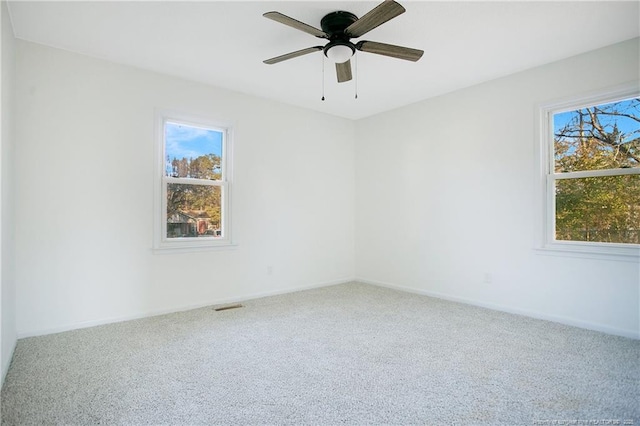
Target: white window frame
(547, 177)
(162, 244)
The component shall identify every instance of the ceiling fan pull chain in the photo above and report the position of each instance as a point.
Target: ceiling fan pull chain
(323, 77)
(356, 82)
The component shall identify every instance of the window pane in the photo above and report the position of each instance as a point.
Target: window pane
(602, 209)
(193, 211)
(605, 136)
(192, 152)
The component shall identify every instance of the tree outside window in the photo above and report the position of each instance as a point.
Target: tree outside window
(596, 173)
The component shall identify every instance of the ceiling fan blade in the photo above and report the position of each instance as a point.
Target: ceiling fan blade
(294, 23)
(391, 50)
(292, 55)
(343, 71)
(380, 14)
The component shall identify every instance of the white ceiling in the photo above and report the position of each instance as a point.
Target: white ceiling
(224, 43)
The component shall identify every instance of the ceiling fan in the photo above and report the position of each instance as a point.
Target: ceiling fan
(339, 28)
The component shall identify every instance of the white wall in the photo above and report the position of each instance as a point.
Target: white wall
(84, 176)
(7, 259)
(445, 194)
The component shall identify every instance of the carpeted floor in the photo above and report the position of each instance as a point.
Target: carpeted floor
(347, 354)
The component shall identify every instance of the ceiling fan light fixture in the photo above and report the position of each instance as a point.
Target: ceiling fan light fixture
(339, 53)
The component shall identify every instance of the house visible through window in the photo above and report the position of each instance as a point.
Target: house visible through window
(194, 185)
(593, 176)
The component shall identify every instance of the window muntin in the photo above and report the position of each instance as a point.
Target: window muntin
(193, 199)
(593, 176)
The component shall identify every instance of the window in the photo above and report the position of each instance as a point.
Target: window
(192, 183)
(591, 166)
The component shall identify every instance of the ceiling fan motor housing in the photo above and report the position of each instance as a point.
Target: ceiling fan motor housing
(334, 24)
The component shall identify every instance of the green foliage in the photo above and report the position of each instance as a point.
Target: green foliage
(199, 202)
(604, 209)
(607, 208)
(204, 167)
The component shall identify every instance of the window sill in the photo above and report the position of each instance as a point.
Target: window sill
(599, 251)
(193, 247)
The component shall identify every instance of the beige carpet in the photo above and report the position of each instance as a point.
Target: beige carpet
(347, 354)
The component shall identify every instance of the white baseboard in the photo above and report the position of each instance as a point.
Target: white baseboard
(533, 314)
(7, 363)
(633, 334)
(153, 313)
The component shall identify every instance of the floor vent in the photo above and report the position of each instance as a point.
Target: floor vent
(225, 308)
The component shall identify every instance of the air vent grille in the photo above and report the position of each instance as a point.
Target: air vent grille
(226, 308)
